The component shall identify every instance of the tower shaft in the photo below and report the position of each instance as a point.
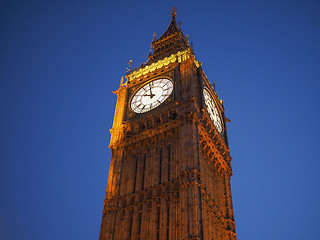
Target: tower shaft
(169, 176)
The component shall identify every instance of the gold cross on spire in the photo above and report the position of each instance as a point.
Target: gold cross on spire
(173, 12)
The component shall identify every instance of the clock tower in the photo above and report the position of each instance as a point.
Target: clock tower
(170, 170)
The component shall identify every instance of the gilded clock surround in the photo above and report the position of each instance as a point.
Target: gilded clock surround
(170, 169)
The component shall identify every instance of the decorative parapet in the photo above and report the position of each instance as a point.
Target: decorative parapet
(177, 57)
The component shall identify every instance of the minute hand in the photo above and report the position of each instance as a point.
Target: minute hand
(151, 94)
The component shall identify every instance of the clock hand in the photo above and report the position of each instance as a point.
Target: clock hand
(151, 95)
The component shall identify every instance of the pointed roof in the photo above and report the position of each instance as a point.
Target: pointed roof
(170, 42)
(173, 28)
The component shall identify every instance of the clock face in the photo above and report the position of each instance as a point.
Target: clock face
(212, 110)
(151, 95)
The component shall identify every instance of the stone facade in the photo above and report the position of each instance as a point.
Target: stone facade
(170, 170)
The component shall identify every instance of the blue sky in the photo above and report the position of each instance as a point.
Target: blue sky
(61, 60)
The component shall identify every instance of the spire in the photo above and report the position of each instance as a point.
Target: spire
(171, 41)
(173, 27)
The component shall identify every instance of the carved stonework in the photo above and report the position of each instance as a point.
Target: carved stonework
(170, 168)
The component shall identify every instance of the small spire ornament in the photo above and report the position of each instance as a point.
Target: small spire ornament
(174, 12)
(130, 64)
(121, 82)
(154, 36)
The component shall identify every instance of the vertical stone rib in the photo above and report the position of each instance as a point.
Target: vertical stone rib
(160, 165)
(111, 176)
(140, 168)
(121, 173)
(116, 173)
(158, 222)
(149, 164)
(130, 221)
(184, 212)
(149, 208)
(121, 226)
(135, 224)
(116, 223)
(153, 216)
(144, 220)
(230, 206)
(135, 172)
(169, 161)
(192, 211)
(168, 220)
(125, 175)
(143, 170)
(140, 223)
(125, 224)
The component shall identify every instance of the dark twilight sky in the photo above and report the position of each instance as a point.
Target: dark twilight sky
(61, 60)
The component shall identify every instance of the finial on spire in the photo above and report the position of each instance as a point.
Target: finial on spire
(130, 64)
(154, 36)
(153, 39)
(121, 82)
(173, 12)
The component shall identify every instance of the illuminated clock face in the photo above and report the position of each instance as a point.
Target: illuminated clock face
(212, 110)
(151, 95)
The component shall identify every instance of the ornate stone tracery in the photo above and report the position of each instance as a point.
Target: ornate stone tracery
(170, 169)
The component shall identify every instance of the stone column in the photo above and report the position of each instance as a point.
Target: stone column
(184, 218)
(192, 208)
(135, 223)
(122, 174)
(148, 219)
(114, 172)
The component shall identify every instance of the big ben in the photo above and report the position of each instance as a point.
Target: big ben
(169, 176)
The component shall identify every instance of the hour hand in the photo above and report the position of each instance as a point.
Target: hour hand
(150, 95)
